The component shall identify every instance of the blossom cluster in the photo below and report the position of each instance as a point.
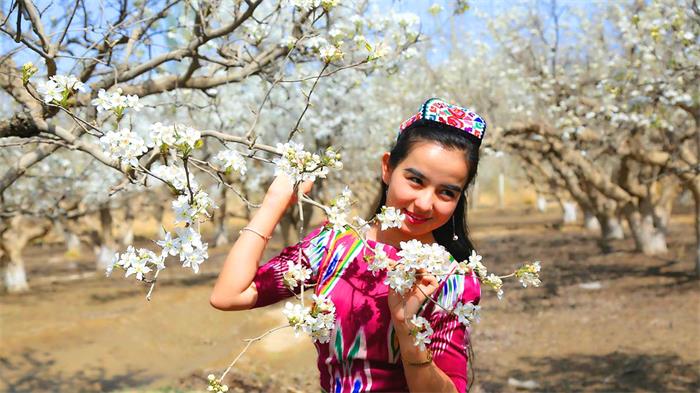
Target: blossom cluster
(296, 273)
(138, 262)
(317, 321)
(188, 244)
(301, 165)
(421, 331)
(390, 217)
(473, 264)
(57, 89)
(306, 5)
(467, 313)
(175, 176)
(180, 136)
(231, 160)
(196, 210)
(339, 211)
(215, 385)
(414, 256)
(123, 145)
(529, 275)
(330, 53)
(379, 261)
(116, 102)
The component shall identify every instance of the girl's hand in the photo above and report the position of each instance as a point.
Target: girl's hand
(281, 191)
(403, 308)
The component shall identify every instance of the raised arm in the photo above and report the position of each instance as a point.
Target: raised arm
(234, 288)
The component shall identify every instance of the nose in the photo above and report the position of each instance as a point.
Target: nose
(424, 201)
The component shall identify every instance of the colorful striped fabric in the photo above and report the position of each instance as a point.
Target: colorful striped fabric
(363, 354)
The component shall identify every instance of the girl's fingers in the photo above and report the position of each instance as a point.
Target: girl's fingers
(306, 186)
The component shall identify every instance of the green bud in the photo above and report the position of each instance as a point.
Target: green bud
(28, 69)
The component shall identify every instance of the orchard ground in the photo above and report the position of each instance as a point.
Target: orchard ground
(601, 322)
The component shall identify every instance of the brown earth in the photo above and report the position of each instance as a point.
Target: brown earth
(600, 323)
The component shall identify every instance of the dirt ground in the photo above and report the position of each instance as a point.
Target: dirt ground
(600, 323)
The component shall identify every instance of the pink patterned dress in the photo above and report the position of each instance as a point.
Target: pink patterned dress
(363, 354)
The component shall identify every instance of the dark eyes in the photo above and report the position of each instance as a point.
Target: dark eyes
(446, 192)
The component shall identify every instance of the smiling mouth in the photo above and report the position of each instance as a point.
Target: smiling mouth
(415, 219)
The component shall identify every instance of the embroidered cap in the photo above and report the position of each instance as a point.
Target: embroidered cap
(438, 112)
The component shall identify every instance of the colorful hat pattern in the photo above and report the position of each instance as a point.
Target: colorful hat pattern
(438, 111)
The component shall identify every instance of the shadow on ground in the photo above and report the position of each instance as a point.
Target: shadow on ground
(614, 372)
(32, 372)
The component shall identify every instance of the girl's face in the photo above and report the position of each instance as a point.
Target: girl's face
(425, 186)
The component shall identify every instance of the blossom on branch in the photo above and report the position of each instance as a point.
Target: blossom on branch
(339, 211)
(57, 89)
(390, 217)
(295, 274)
(116, 102)
(529, 275)
(301, 165)
(467, 313)
(123, 145)
(421, 331)
(231, 160)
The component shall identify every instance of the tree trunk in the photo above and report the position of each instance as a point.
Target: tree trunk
(697, 233)
(647, 238)
(70, 238)
(128, 237)
(695, 190)
(474, 196)
(541, 203)
(569, 212)
(611, 227)
(501, 190)
(103, 257)
(21, 231)
(105, 246)
(590, 221)
(222, 235)
(15, 278)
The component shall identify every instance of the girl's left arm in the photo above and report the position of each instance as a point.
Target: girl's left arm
(421, 374)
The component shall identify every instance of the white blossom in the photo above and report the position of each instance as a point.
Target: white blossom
(467, 313)
(379, 261)
(123, 145)
(476, 266)
(231, 160)
(50, 91)
(301, 165)
(296, 273)
(390, 217)
(421, 331)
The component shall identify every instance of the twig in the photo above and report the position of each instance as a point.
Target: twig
(249, 342)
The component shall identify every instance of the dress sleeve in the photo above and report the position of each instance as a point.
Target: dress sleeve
(450, 337)
(269, 281)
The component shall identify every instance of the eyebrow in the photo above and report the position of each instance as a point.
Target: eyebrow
(417, 173)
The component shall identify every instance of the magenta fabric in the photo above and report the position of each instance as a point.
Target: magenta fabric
(363, 354)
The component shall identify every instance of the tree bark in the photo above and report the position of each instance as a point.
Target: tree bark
(103, 240)
(647, 238)
(19, 233)
(569, 216)
(222, 235)
(128, 236)
(590, 221)
(694, 187)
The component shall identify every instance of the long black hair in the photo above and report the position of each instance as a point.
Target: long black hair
(449, 138)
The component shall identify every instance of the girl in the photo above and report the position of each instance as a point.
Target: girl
(371, 347)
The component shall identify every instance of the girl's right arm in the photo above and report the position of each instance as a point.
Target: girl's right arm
(234, 288)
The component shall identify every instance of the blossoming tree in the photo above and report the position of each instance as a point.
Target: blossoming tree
(118, 92)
